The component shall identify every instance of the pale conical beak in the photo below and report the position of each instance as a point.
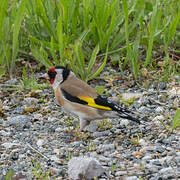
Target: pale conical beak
(45, 76)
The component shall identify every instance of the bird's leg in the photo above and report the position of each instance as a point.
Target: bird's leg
(83, 124)
(79, 133)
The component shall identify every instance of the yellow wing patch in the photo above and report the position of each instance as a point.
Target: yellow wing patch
(92, 103)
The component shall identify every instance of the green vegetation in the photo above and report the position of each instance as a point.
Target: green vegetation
(38, 172)
(140, 34)
(104, 124)
(9, 175)
(176, 120)
(26, 83)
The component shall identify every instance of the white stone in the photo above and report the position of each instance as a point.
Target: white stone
(159, 109)
(167, 170)
(124, 122)
(30, 100)
(142, 142)
(9, 144)
(54, 158)
(161, 117)
(128, 96)
(120, 173)
(40, 142)
(131, 178)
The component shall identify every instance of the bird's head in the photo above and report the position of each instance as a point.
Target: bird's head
(57, 75)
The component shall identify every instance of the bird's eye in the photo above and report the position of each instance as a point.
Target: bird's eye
(52, 74)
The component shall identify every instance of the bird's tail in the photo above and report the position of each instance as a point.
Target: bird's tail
(125, 115)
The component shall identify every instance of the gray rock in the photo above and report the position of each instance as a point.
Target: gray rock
(92, 126)
(168, 170)
(102, 133)
(162, 85)
(159, 109)
(23, 121)
(9, 145)
(40, 142)
(54, 158)
(11, 81)
(30, 100)
(142, 142)
(144, 109)
(124, 122)
(106, 147)
(177, 77)
(37, 116)
(104, 159)
(120, 173)
(84, 167)
(160, 149)
(153, 85)
(147, 157)
(155, 162)
(144, 101)
(59, 129)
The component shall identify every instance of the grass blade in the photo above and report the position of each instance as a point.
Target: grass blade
(53, 51)
(155, 20)
(135, 63)
(61, 37)
(3, 8)
(93, 59)
(16, 30)
(41, 56)
(99, 69)
(125, 10)
(176, 120)
(172, 27)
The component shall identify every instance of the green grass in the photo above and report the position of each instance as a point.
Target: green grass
(175, 122)
(38, 172)
(140, 33)
(27, 83)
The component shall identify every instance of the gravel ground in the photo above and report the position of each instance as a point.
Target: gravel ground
(37, 139)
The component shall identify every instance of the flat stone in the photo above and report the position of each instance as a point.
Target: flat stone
(12, 81)
(121, 173)
(166, 170)
(9, 144)
(107, 147)
(54, 158)
(40, 142)
(162, 85)
(142, 142)
(158, 118)
(124, 122)
(128, 96)
(147, 157)
(131, 178)
(30, 100)
(159, 109)
(84, 168)
(20, 120)
(93, 126)
(102, 133)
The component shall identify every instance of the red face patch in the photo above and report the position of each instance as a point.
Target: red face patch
(52, 69)
(52, 74)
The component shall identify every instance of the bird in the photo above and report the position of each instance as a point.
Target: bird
(80, 99)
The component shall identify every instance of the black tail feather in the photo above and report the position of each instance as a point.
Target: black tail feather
(129, 117)
(123, 112)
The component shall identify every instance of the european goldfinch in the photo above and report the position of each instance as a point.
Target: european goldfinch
(78, 98)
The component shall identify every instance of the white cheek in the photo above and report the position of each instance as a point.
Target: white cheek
(57, 81)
